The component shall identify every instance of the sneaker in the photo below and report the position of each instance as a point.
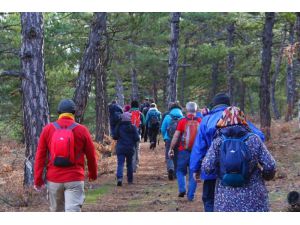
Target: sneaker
(119, 183)
(181, 194)
(171, 174)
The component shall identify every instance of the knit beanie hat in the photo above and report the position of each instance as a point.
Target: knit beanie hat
(221, 99)
(126, 116)
(66, 106)
(126, 108)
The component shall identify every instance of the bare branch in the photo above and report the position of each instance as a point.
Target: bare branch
(12, 73)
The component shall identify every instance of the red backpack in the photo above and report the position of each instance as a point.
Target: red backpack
(62, 148)
(190, 132)
(136, 118)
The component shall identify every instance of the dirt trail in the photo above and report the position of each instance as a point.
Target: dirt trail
(151, 191)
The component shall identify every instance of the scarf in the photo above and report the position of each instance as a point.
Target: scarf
(232, 116)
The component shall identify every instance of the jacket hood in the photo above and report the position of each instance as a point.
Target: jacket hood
(176, 112)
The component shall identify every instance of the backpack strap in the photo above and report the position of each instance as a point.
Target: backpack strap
(56, 125)
(72, 126)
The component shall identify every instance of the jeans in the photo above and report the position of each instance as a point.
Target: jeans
(171, 162)
(68, 196)
(208, 195)
(183, 161)
(121, 160)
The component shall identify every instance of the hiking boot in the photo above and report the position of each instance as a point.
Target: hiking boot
(181, 194)
(171, 174)
(119, 183)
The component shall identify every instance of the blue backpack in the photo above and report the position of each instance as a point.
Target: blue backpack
(234, 161)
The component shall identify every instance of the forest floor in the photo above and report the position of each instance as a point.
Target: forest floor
(151, 191)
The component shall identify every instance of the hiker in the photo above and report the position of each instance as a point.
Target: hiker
(185, 134)
(115, 112)
(153, 119)
(127, 136)
(144, 110)
(168, 129)
(206, 132)
(137, 119)
(243, 163)
(63, 145)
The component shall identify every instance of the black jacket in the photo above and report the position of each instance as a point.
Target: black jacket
(127, 136)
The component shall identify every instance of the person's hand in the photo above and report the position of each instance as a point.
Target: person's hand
(171, 153)
(38, 188)
(92, 179)
(196, 176)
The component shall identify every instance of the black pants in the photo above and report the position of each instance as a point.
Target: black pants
(153, 132)
(208, 195)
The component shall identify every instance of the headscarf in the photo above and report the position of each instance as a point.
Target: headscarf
(232, 116)
(126, 108)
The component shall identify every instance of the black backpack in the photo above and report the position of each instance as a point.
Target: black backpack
(154, 121)
(172, 126)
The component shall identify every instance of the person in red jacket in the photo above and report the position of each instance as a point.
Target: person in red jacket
(186, 131)
(65, 173)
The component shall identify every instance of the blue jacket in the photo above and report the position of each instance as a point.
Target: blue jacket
(150, 113)
(204, 138)
(127, 136)
(167, 120)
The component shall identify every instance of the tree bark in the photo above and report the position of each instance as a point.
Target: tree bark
(275, 76)
(134, 85)
(265, 115)
(87, 67)
(230, 62)
(173, 58)
(101, 73)
(182, 97)
(154, 88)
(290, 81)
(34, 88)
(119, 90)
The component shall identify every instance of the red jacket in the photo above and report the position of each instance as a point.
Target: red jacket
(83, 143)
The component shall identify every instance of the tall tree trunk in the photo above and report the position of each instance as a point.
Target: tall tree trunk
(134, 85)
(34, 88)
(214, 76)
(290, 81)
(87, 67)
(183, 90)
(275, 76)
(230, 62)
(297, 60)
(173, 58)
(119, 90)
(101, 73)
(265, 115)
(242, 93)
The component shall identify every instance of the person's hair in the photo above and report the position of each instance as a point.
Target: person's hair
(153, 105)
(175, 105)
(191, 107)
(113, 102)
(151, 100)
(134, 104)
(146, 99)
